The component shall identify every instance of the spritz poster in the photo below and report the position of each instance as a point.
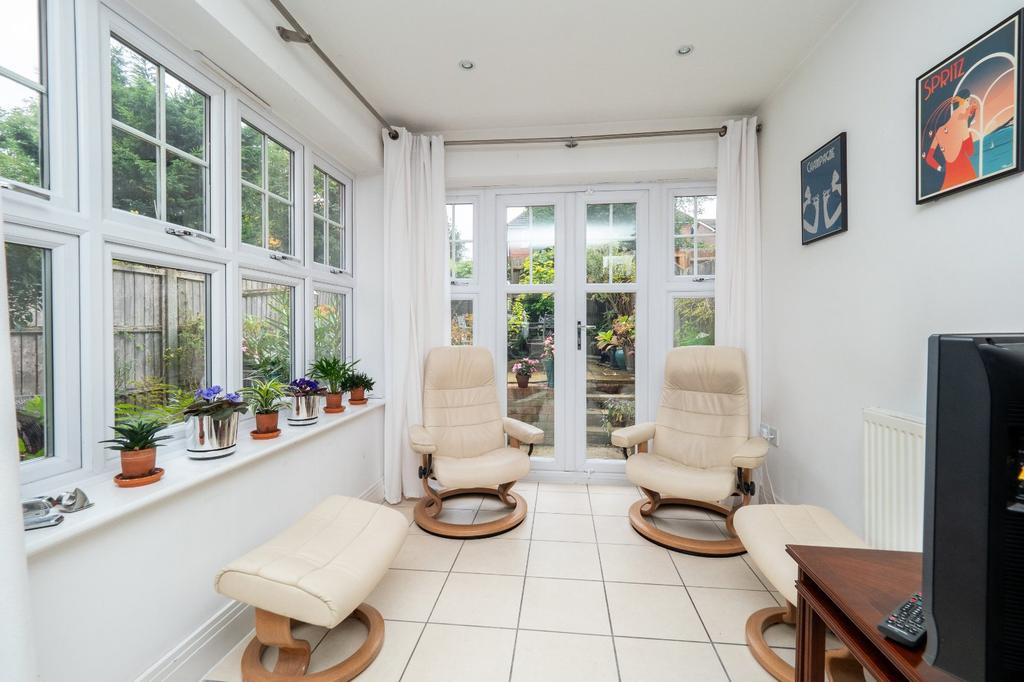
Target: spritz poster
(967, 108)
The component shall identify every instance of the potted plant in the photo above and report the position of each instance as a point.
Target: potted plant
(334, 372)
(624, 327)
(547, 356)
(358, 384)
(305, 393)
(137, 438)
(213, 423)
(619, 413)
(266, 398)
(607, 342)
(523, 370)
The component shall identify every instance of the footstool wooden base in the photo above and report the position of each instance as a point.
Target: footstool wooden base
(293, 654)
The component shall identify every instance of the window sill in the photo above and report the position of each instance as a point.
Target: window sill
(111, 502)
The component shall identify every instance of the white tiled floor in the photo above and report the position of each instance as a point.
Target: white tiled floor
(573, 593)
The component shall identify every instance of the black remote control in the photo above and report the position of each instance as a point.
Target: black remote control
(905, 625)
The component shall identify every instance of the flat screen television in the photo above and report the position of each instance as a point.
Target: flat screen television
(974, 506)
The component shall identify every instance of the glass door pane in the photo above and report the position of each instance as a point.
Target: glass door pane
(610, 382)
(530, 362)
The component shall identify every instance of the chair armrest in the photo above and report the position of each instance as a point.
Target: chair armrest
(422, 441)
(629, 436)
(751, 454)
(523, 432)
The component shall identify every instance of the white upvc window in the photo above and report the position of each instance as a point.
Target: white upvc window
(331, 210)
(692, 215)
(464, 238)
(331, 311)
(270, 326)
(269, 184)
(42, 283)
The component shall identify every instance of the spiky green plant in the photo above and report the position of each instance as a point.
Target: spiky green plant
(137, 433)
(333, 371)
(360, 380)
(266, 397)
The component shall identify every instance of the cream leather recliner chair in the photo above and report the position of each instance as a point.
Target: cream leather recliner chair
(462, 442)
(702, 450)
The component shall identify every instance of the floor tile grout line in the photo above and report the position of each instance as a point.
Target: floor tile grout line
(434, 606)
(607, 604)
(701, 619)
(522, 595)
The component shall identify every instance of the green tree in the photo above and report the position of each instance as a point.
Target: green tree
(20, 143)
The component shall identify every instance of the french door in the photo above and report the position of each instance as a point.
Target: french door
(573, 336)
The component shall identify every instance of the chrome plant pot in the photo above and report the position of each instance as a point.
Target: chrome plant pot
(305, 410)
(210, 438)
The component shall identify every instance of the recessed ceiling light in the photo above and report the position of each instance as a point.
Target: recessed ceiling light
(466, 64)
(684, 50)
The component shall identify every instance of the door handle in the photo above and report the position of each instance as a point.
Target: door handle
(579, 333)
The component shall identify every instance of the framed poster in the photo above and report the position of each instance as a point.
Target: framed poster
(967, 108)
(823, 191)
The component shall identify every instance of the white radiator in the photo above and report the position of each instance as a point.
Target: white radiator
(893, 480)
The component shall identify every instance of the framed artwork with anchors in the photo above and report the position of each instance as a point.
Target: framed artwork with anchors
(823, 191)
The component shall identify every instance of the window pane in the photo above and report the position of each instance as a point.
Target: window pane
(530, 320)
(279, 169)
(132, 88)
(705, 258)
(531, 244)
(328, 324)
(335, 245)
(160, 339)
(462, 322)
(252, 155)
(186, 193)
(266, 330)
(319, 192)
(279, 234)
(461, 260)
(611, 376)
(707, 213)
(252, 216)
(28, 300)
(463, 220)
(21, 126)
(693, 321)
(684, 215)
(334, 200)
(611, 243)
(319, 248)
(185, 116)
(133, 168)
(20, 38)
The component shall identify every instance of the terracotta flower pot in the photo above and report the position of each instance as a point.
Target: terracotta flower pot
(266, 422)
(334, 405)
(138, 463)
(358, 396)
(523, 380)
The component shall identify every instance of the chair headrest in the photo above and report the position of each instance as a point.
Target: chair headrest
(707, 369)
(451, 367)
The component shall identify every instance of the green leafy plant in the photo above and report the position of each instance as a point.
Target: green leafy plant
(360, 380)
(137, 433)
(266, 397)
(333, 371)
(618, 413)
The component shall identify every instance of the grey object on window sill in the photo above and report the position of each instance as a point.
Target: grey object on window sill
(71, 501)
(284, 257)
(39, 513)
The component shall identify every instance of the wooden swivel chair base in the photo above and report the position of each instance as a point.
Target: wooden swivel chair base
(429, 508)
(293, 654)
(840, 665)
(641, 510)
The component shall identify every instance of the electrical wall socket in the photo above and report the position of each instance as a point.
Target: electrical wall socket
(770, 434)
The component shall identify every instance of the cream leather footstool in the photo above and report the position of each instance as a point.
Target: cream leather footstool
(765, 530)
(318, 571)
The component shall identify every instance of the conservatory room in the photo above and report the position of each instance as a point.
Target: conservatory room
(522, 341)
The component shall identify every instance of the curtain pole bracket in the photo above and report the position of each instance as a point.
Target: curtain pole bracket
(290, 36)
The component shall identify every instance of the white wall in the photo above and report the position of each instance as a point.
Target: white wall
(846, 319)
(640, 160)
(370, 272)
(110, 603)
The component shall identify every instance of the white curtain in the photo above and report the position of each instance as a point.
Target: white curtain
(16, 650)
(416, 309)
(738, 268)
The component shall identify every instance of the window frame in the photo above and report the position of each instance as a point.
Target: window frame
(299, 342)
(214, 328)
(319, 284)
(113, 26)
(473, 282)
(693, 282)
(347, 269)
(297, 254)
(58, 71)
(65, 359)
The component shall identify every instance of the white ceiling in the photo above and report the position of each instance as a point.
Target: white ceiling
(556, 62)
